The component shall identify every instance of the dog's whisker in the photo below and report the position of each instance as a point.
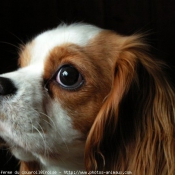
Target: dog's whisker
(20, 40)
(4, 42)
(64, 142)
(31, 123)
(50, 119)
(44, 141)
(45, 145)
(47, 148)
(46, 122)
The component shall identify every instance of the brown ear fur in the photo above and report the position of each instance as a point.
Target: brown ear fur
(135, 128)
(29, 167)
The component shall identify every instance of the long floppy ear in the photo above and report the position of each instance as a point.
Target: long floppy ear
(28, 167)
(135, 128)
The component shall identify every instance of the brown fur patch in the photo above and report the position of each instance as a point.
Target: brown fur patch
(25, 55)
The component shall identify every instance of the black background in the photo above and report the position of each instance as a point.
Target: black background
(21, 20)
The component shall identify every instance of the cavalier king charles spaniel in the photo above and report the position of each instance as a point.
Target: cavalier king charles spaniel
(88, 99)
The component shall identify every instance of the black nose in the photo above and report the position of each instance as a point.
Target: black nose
(6, 86)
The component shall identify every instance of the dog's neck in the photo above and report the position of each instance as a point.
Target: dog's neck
(70, 163)
(71, 160)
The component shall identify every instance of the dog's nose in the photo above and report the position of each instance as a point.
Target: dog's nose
(6, 86)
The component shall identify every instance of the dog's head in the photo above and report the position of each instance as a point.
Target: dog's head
(83, 89)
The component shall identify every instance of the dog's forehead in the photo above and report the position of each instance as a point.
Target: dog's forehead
(37, 50)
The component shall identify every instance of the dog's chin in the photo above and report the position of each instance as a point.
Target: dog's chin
(17, 151)
(22, 154)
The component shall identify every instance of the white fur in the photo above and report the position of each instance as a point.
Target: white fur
(75, 33)
(31, 122)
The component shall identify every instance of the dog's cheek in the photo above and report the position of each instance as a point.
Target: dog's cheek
(61, 122)
(80, 106)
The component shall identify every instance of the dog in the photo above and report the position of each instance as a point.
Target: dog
(86, 99)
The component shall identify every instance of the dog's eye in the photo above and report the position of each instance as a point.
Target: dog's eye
(69, 77)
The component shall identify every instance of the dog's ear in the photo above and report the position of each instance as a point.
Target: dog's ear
(26, 167)
(134, 129)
